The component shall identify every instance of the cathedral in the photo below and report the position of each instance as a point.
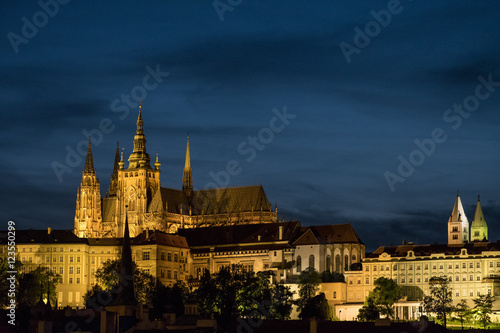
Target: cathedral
(135, 191)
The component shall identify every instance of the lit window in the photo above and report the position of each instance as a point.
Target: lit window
(169, 256)
(70, 259)
(78, 270)
(176, 257)
(70, 280)
(70, 269)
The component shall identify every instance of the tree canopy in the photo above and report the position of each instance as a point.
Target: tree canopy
(234, 292)
(483, 308)
(381, 299)
(108, 279)
(439, 300)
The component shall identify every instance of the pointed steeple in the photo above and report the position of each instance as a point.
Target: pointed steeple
(89, 162)
(187, 179)
(113, 184)
(458, 213)
(126, 275)
(139, 156)
(479, 228)
(458, 225)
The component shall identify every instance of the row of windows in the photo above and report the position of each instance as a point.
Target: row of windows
(169, 274)
(42, 249)
(434, 266)
(132, 174)
(328, 262)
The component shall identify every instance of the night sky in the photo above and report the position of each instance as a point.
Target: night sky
(354, 85)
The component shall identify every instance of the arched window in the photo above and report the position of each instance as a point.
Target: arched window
(328, 263)
(338, 265)
(346, 262)
(299, 264)
(311, 261)
(353, 258)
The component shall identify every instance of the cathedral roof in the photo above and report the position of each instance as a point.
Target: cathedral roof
(328, 234)
(212, 201)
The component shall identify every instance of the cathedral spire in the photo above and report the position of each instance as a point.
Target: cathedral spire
(89, 162)
(126, 296)
(139, 156)
(479, 228)
(187, 179)
(113, 184)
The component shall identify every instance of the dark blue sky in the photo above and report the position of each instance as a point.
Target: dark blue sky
(361, 92)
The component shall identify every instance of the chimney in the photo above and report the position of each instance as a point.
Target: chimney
(49, 230)
(280, 232)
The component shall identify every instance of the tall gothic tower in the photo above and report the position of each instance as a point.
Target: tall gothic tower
(458, 225)
(88, 201)
(113, 182)
(187, 178)
(136, 184)
(479, 228)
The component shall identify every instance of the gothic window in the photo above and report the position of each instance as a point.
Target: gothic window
(311, 261)
(346, 263)
(328, 263)
(353, 258)
(337, 263)
(299, 264)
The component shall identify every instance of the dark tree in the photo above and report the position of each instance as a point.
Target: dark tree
(440, 300)
(483, 308)
(108, 279)
(309, 280)
(462, 311)
(369, 311)
(41, 281)
(318, 308)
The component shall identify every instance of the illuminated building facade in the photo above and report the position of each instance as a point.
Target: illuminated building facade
(136, 191)
(473, 268)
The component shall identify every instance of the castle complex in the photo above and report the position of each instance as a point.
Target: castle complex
(176, 234)
(136, 191)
